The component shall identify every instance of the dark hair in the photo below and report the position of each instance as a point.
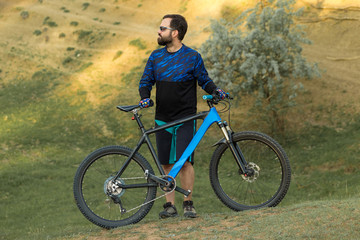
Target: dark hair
(179, 23)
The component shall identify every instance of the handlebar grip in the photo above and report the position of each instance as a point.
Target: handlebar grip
(207, 97)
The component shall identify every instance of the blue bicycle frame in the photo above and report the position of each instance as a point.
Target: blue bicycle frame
(212, 117)
(209, 117)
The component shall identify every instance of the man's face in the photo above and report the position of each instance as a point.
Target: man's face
(165, 36)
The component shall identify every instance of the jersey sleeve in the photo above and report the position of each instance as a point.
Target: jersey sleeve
(202, 76)
(147, 80)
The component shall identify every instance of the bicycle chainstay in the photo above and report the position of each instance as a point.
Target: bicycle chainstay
(146, 177)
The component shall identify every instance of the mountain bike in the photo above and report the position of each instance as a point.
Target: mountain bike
(115, 185)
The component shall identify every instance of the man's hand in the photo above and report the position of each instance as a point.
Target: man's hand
(220, 93)
(146, 102)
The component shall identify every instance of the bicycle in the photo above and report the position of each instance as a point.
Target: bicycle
(116, 186)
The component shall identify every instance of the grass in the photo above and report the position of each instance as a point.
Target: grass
(44, 138)
(310, 220)
(48, 126)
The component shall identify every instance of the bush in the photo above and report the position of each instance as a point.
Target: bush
(259, 53)
(74, 23)
(85, 6)
(140, 44)
(50, 23)
(37, 32)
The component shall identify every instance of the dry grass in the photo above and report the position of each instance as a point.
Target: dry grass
(315, 220)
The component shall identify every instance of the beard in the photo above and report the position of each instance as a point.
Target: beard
(163, 41)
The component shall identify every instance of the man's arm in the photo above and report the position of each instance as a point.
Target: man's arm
(202, 76)
(147, 80)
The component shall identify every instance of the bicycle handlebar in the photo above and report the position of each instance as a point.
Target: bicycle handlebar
(215, 98)
(208, 97)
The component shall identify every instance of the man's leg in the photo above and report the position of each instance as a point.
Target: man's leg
(187, 178)
(171, 196)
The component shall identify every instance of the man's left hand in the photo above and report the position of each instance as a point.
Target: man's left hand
(221, 93)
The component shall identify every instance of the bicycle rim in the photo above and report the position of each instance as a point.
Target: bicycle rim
(92, 180)
(265, 188)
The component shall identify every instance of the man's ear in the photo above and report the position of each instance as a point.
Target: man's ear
(175, 34)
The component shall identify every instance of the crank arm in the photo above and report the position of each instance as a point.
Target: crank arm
(183, 191)
(165, 182)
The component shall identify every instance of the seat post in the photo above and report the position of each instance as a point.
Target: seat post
(137, 118)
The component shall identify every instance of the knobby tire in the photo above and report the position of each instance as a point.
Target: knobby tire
(272, 167)
(95, 171)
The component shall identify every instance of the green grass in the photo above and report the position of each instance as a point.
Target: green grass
(47, 128)
(44, 138)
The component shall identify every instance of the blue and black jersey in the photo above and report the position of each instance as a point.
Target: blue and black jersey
(175, 75)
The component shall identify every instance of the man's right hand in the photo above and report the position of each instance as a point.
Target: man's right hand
(146, 102)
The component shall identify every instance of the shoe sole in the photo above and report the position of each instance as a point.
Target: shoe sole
(168, 216)
(190, 215)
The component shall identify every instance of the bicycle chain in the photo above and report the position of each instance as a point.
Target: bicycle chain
(153, 200)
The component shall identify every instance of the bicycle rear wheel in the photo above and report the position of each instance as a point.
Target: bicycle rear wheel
(93, 179)
(270, 178)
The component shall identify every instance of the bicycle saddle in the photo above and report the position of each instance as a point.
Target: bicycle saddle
(127, 108)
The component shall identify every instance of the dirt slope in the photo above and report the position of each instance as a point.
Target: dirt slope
(333, 26)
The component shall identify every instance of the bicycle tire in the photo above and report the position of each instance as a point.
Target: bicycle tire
(266, 157)
(93, 175)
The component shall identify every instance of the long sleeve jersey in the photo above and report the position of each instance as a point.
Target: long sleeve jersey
(175, 75)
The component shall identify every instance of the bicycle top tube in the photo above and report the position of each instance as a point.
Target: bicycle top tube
(209, 118)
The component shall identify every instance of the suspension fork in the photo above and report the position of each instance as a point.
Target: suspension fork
(235, 149)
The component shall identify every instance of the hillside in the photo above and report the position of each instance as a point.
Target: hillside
(66, 64)
(314, 220)
(96, 38)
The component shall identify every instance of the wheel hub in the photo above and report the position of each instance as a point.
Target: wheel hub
(112, 187)
(253, 172)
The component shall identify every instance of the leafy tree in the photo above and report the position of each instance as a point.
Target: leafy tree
(259, 53)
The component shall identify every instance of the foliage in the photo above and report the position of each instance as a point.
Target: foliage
(259, 53)
(117, 55)
(24, 14)
(139, 43)
(47, 21)
(74, 23)
(37, 32)
(90, 37)
(85, 5)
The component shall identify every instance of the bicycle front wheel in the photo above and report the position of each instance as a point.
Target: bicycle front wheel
(94, 180)
(270, 174)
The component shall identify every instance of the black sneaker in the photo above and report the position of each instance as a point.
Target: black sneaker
(169, 211)
(189, 210)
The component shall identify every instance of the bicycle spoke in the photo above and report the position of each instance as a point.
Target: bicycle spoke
(262, 186)
(99, 196)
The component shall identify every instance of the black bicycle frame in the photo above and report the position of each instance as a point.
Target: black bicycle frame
(209, 118)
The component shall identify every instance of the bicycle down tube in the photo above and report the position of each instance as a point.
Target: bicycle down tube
(212, 117)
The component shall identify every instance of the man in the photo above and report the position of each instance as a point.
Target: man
(175, 69)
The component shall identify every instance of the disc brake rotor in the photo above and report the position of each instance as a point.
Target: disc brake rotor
(255, 172)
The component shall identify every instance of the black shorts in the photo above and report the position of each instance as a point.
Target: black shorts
(172, 142)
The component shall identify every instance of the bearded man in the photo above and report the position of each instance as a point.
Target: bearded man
(176, 70)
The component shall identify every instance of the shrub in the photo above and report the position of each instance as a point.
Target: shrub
(259, 53)
(24, 14)
(74, 23)
(140, 44)
(37, 32)
(85, 6)
(50, 23)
